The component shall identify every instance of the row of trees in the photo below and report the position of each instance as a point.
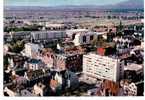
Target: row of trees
(25, 28)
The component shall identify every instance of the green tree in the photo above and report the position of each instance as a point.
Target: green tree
(119, 34)
(17, 47)
(6, 62)
(94, 42)
(120, 27)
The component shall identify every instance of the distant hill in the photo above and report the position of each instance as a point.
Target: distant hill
(130, 4)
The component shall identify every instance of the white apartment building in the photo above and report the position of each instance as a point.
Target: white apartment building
(86, 38)
(53, 25)
(81, 36)
(46, 35)
(102, 67)
(71, 32)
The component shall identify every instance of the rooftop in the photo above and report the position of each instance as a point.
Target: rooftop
(67, 44)
(34, 61)
(77, 30)
(22, 33)
(54, 25)
(44, 31)
(133, 66)
(110, 56)
(68, 54)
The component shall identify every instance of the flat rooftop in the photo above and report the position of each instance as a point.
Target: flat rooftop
(133, 66)
(108, 56)
(45, 31)
(77, 30)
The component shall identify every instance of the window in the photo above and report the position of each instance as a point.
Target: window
(37, 36)
(73, 36)
(47, 55)
(107, 68)
(52, 56)
(91, 37)
(84, 38)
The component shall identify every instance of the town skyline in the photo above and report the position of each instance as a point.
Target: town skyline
(73, 48)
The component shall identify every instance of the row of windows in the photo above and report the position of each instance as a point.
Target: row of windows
(45, 36)
(97, 67)
(98, 70)
(68, 59)
(100, 74)
(105, 60)
(100, 59)
(96, 61)
(84, 38)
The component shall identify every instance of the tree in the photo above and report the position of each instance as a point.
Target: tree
(110, 50)
(100, 41)
(6, 63)
(94, 42)
(17, 47)
(120, 27)
(119, 34)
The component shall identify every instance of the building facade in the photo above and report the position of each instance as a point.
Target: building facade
(86, 38)
(102, 67)
(72, 62)
(81, 36)
(31, 50)
(46, 35)
(48, 57)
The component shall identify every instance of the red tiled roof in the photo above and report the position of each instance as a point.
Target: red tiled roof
(112, 86)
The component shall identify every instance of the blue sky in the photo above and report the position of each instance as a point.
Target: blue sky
(58, 2)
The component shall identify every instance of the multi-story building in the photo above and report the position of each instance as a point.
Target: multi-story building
(123, 46)
(54, 26)
(8, 37)
(86, 38)
(21, 35)
(81, 36)
(71, 33)
(47, 35)
(72, 62)
(31, 50)
(48, 57)
(104, 67)
(34, 64)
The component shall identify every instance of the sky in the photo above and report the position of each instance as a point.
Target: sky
(58, 2)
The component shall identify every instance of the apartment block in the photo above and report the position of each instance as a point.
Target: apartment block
(81, 36)
(103, 67)
(46, 35)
